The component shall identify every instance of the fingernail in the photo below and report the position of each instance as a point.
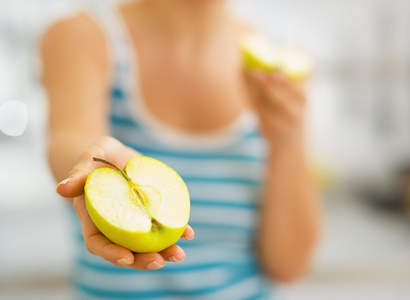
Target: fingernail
(174, 259)
(154, 265)
(62, 183)
(123, 261)
(191, 237)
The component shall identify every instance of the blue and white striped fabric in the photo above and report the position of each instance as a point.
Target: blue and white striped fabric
(223, 173)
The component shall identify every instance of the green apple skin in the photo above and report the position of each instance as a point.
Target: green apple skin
(259, 54)
(252, 62)
(154, 241)
(160, 236)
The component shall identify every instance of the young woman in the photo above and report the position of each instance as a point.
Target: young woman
(163, 78)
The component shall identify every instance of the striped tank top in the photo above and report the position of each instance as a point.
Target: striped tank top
(223, 172)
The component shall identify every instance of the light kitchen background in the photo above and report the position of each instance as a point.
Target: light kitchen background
(358, 129)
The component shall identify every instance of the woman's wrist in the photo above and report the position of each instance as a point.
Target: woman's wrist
(285, 136)
(288, 146)
(288, 154)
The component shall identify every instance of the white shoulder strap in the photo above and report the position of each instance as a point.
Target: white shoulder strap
(111, 22)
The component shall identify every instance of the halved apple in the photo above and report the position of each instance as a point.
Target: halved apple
(144, 208)
(260, 53)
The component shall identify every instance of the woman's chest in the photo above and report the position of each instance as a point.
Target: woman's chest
(195, 96)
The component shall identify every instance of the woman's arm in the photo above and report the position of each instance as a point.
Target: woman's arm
(76, 71)
(75, 68)
(290, 213)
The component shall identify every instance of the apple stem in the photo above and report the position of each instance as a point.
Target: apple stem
(112, 165)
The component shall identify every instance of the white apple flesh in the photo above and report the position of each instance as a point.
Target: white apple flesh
(144, 208)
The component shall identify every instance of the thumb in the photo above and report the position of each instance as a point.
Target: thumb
(73, 185)
(106, 148)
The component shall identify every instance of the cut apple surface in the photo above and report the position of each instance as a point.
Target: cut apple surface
(144, 207)
(297, 64)
(258, 53)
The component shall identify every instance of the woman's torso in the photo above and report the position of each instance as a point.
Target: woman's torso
(222, 165)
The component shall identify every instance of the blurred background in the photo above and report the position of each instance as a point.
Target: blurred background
(359, 138)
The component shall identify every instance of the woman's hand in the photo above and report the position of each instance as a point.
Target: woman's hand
(280, 103)
(96, 243)
(290, 213)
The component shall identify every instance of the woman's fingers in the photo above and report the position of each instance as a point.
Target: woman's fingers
(147, 261)
(106, 148)
(277, 96)
(276, 90)
(96, 243)
(99, 245)
(277, 85)
(173, 253)
(188, 233)
(280, 104)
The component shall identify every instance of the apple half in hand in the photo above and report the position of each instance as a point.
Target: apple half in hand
(258, 53)
(144, 208)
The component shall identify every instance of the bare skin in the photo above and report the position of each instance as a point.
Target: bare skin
(181, 45)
